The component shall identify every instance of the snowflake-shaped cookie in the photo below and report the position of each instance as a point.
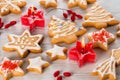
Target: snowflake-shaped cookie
(57, 52)
(81, 3)
(101, 38)
(9, 68)
(7, 6)
(24, 43)
(36, 65)
(49, 3)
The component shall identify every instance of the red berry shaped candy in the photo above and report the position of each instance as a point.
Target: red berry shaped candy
(65, 15)
(69, 12)
(73, 18)
(59, 78)
(79, 16)
(56, 73)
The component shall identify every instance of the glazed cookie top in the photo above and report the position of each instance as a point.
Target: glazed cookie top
(24, 42)
(61, 28)
(14, 4)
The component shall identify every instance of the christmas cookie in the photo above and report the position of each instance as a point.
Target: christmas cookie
(13, 6)
(101, 38)
(81, 3)
(10, 68)
(99, 18)
(57, 52)
(118, 33)
(36, 65)
(107, 69)
(64, 31)
(24, 43)
(49, 3)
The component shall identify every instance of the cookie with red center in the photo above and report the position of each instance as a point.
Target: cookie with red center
(10, 68)
(101, 38)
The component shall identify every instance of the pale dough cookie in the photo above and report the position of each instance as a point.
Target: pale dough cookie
(57, 52)
(10, 68)
(81, 3)
(101, 38)
(99, 18)
(13, 6)
(49, 3)
(64, 31)
(37, 64)
(118, 33)
(24, 43)
(107, 69)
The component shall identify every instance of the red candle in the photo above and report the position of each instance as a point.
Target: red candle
(82, 53)
(34, 18)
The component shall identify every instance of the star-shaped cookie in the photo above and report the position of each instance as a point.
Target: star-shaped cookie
(81, 3)
(118, 33)
(101, 38)
(37, 64)
(24, 43)
(48, 3)
(57, 52)
(10, 68)
(7, 6)
(99, 18)
(107, 69)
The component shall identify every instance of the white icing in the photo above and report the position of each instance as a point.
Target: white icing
(7, 3)
(62, 28)
(107, 67)
(83, 2)
(49, 1)
(56, 51)
(105, 38)
(23, 41)
(98, 14)
(37, 63)
(71, 1)
(6, 72)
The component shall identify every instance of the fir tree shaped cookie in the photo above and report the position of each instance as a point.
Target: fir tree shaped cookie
(99, 18)
(64, 31)
(107, 69)
(24, 43)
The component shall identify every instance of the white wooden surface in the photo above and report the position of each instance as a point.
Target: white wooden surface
(82, 73)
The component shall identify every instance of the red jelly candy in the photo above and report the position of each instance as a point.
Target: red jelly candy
(79, 16)
(65, 15)
(13, 23)
(1, 24)
(56, 73)
(69, 11)
(73, 18)
(67, 74)
(59, 78)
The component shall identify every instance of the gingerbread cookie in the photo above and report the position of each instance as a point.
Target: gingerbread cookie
(118, 33)
(49, 3)
(81, 3)
(101, 39)
(36, 65)
(10, 68)
(13, 6)
(64, 31)
(57, 52)
(99, 18)
(107, 69)
(24, 43)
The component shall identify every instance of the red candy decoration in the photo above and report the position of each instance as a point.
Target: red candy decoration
(56, 73)
(67, 74)
(59, 78)
(82, 55)
(69, 12)
(65, 15)
(73, 18)
(79, 16)
(34, 18)
(10, 24)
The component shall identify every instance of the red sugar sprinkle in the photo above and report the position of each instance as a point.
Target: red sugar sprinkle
(8, 65)
(73, 18)
(1, 24)
(56, 73)
(12, 23)
(65, 15)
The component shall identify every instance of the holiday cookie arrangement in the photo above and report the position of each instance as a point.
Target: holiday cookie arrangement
(51, 35)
